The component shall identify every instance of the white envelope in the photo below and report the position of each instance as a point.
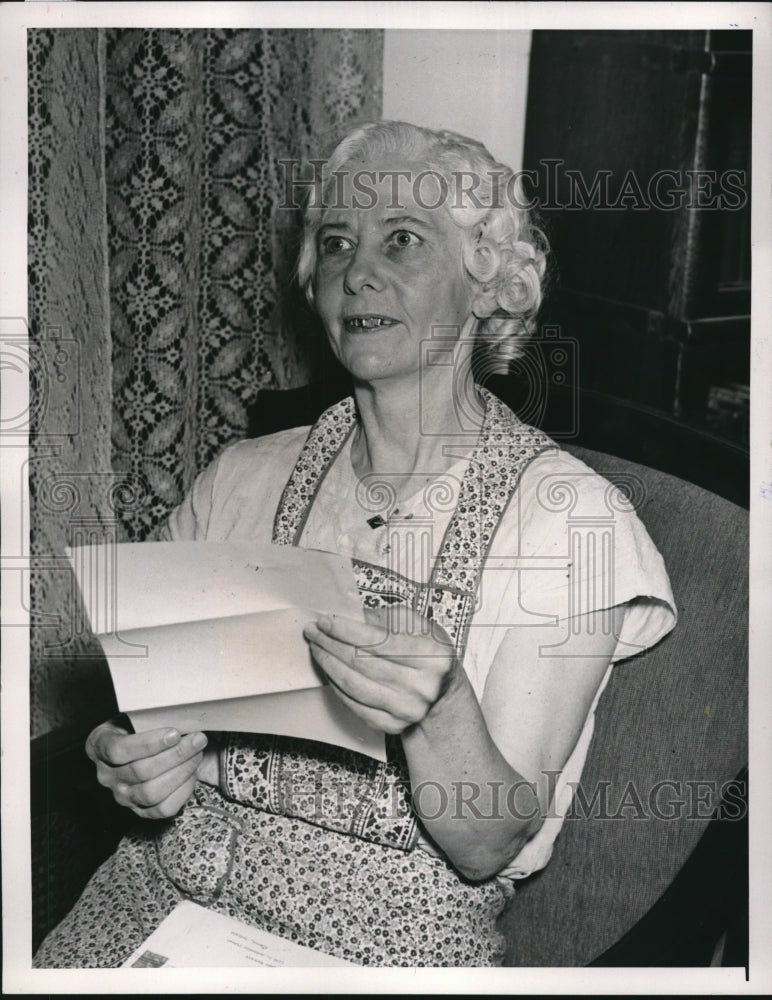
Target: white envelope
(195, 937)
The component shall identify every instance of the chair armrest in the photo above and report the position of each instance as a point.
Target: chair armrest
(708, 897)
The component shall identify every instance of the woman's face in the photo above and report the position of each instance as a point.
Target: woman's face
(389, 270)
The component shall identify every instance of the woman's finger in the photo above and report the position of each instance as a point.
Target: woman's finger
(170, 806)
(347, 652)
(343, 641)
(370, 665)
(395, 702)
(338, 668)
(404, 663)
(115, 746)
(154, 792)
(399, 634)
(376, 718)
(366, 635)
(401, 619)
(148, 768)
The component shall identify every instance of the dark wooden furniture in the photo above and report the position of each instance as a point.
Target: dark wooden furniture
(638, 144)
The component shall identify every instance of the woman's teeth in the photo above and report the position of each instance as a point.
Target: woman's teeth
(367, 322)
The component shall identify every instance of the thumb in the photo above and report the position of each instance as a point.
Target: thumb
(97, 738)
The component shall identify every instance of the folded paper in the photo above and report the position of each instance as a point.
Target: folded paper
(209, 635)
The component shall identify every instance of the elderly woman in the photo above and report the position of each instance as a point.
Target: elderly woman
(486, 641)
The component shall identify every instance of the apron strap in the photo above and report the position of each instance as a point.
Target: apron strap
(337, 788)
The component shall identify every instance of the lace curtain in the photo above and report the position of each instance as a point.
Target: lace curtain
(161, 266)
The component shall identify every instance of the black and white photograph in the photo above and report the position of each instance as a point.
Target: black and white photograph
(386, 483)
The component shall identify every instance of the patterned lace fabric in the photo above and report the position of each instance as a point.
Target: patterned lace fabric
(75, 494)
(202, 128)
(159, 246)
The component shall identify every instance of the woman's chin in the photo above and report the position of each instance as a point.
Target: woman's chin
(372, 374)
(376, 366)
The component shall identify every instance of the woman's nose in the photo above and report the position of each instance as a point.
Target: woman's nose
(363, 271)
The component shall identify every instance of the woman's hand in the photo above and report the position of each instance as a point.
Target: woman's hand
(391, 669)
(151, 773)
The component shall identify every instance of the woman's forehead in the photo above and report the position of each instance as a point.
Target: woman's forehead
(383, 163)
(384, 187)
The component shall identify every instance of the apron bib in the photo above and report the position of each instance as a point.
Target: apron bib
(338, 788)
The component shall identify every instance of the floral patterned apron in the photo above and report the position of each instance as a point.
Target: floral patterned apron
(313, 842)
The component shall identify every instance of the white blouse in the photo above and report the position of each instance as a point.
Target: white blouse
(568, 544)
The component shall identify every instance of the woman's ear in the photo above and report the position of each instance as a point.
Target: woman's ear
(484, 261)
(478, 303)
(483, 301)
(480, 266)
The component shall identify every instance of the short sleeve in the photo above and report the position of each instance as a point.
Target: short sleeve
(188, 521)
(580, 547)
(236, 496)
(576, 546)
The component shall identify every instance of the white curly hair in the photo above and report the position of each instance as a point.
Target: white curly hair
(504, 251)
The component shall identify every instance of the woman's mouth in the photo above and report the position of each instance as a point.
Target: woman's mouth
(364, 324)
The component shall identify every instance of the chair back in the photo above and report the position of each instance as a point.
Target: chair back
(670, 734)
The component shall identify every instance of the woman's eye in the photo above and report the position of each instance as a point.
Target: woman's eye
(404, 238)
(335, 244)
